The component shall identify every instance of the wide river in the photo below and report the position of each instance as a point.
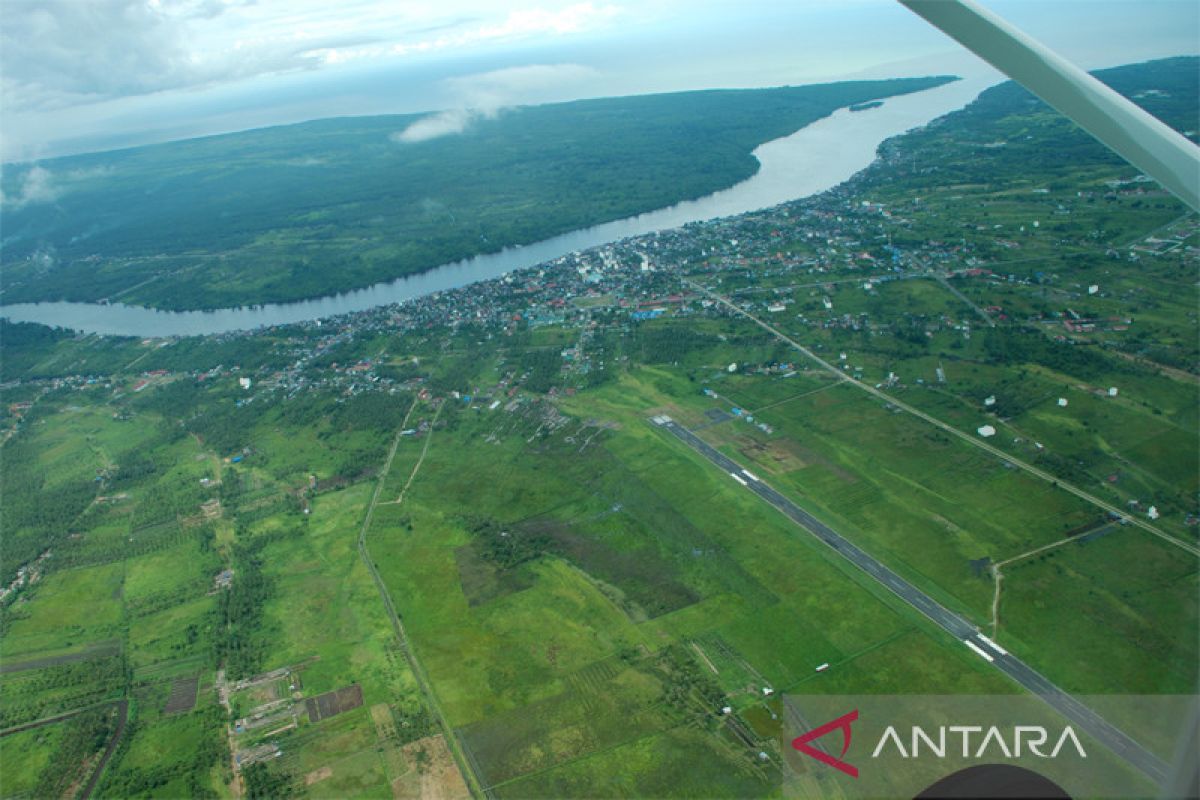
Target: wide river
(811, 160)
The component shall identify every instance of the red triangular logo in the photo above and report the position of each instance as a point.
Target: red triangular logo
(842, 723)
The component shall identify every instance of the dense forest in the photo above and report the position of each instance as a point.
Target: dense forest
(311, 209)
(1009, 128)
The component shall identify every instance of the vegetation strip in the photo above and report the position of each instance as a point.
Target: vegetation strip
(397, 626)
(108, 750)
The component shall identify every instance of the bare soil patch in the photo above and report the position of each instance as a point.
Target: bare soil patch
(183, 695)
(438, 777)
(332, 703)
(317, 775)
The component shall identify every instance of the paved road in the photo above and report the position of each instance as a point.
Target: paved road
(950, 429)
(1086, 719)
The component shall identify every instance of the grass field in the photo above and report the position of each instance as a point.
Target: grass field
(582, 614)
(1127, 601)
(70, 608)
(25, 756)
(561, 598)
(573, 635)
(906, 489)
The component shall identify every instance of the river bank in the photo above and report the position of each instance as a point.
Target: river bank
(812, 160)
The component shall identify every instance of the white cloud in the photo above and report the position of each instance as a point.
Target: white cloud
(485, 94)
(85, 59)
(40, 185)
(572, 19)
(63, 52)
(444, 123)
(37, 186)
(472, 31)
(57, 53)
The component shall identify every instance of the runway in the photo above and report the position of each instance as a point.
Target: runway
(1087, 720)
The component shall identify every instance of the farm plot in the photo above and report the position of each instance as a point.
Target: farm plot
(67, 609)
(183, 695)
(434, 775)
(110, 647)
(605, 704)
(330, 704)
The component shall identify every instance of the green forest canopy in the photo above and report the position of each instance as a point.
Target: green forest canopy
(305, 210)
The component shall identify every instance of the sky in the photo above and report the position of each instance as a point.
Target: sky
(85, 75)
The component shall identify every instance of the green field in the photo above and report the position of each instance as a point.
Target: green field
(559, 658)
(430, 555)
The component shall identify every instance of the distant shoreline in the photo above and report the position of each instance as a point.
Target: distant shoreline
(814, 159)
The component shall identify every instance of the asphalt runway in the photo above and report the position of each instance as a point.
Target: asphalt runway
(1087, 720)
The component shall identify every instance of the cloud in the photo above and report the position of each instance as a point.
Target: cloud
(59, 53)
(572, 19)
(465, 32)
(491, 91)
(37, 186)
(444, 123)
(485, 94)
(81, 70)
(60, 48)
(40, 185)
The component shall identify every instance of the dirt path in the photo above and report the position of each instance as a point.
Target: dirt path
(950, 429)
(135, 360)
(704, 657)
(123, 705)
(421, 460)
(37, 723)
(987, 319)
(1171, 372)
(423, 682)
(998, 574)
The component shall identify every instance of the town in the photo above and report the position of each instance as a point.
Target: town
(619, 514)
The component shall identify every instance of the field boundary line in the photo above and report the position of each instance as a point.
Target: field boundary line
(423, 682)
(998, 573)
(884, 642)
(790, 399)
(950, 429)
(54, 719)
(421, 459)
(109, 749)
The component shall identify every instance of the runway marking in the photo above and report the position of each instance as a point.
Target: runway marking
(750, 475)
(738, 478)
(946, 427)
(977, 649)
(959, 628)
(992, 644)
